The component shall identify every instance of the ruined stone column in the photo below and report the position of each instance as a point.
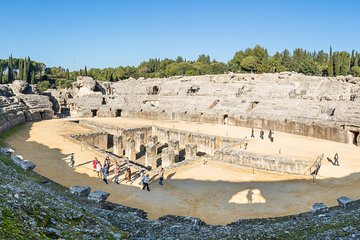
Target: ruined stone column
(151, 155)
(174, 145)
(167, 136)
(118, 146)
(130, 149)
(139, 141)
(212, 146)
(190, 150)
(189, 138)
(167, 157)
(154, 139)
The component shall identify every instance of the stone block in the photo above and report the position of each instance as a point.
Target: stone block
(98, 196)
(139, 141)
(174, 145)
(154, 139)
(168, 157)
(24, 164)
(80, 191)
(130, 149)
(344, 201)
(118, 146)
(319, 208)
(6, 151)
(150, 155)
(190, 150)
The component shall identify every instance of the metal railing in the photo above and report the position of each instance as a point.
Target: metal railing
(315, 167)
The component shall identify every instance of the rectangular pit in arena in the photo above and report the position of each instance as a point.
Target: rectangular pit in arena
(148, 146)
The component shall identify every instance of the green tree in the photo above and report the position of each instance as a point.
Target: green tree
(20, 70)
(67, 74)
(43, 85)
(234, 64)
(10, 73)
(341, 63)
(1, 71)
(249, 63)
(331, 64)
(356, 71)
(85, 71)
(203, 59)
(179, 59)
(275, 63)
(309, 67)
(352, 59)
(33, 77)
(215, 68)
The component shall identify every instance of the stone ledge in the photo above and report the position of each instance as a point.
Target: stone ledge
(344, 201)
(319, 208)
(98, 196)
(24, 164)
(80, 191)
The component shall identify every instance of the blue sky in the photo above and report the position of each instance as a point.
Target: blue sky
(109, 33)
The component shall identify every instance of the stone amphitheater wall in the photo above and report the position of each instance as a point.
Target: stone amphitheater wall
(334, 133)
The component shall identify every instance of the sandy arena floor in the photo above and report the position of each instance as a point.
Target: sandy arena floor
(216, 193)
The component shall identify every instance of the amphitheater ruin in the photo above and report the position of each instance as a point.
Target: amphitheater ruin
(199, 129)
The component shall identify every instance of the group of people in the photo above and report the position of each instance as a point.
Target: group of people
(102, 170)
(262, 133)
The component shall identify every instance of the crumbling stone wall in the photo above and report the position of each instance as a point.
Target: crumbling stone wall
(17, 107)
(205, 143)
(98, 139)
(262, 161)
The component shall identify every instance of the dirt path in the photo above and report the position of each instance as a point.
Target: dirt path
(216, 193)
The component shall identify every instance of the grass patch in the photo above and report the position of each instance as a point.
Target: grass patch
(8, 133)
(12, 227)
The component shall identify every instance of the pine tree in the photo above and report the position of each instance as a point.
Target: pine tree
(27, 71)
(85, 71)
(352, 59)
(67, 74)
(1, 71)
(32, 77)
(10, 73)
(20, 69)
(331, 65)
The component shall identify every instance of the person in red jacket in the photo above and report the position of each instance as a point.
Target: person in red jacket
(94, 163)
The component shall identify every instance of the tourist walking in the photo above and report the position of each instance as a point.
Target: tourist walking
(117, 172)
(72, 160)
(146, 182)
(252, 133)
(106, 173)
(161, 174)
(142, 175)
(336, 160)
(246, 143)
(94, 163)
(271, 136)
(107, 161)
(128, 175)
(98, 168)
(262, 134)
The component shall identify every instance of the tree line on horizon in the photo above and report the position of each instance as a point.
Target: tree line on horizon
(254, 60)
